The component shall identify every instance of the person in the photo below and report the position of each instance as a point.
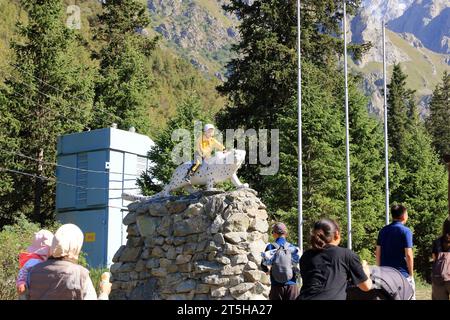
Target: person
(61, 277)
(394, 245)
(283, 275)
(36, 253)
(440, 281)
(326, 268)
(204, 146)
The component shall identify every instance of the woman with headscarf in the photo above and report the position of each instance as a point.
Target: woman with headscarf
(61, 277)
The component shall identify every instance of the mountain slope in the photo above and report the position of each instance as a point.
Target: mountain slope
(423, 67)
(175, 78)
(429, 21)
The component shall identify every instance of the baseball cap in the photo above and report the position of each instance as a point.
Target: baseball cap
(279, 228)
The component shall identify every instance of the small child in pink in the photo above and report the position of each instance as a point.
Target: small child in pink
(38, 252)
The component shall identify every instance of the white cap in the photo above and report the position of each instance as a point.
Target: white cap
(208, 126)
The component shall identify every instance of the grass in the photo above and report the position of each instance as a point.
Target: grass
(215, 9)
(423, 290)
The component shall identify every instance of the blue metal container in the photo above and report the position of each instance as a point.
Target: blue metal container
(107, 162)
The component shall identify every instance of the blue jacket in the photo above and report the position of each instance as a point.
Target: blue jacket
(267, 259)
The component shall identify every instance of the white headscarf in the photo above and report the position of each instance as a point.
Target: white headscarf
(67, 242)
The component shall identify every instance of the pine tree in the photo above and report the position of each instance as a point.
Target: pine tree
(49, 92)
(438, 123)
(124, 88)
(418, 178)
(400, 102)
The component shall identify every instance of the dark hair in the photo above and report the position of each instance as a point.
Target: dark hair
(323, 233)
(446, 234)
(397, 211)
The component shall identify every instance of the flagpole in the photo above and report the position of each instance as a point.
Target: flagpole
(300, 167)
(347, 144)
(386, 146)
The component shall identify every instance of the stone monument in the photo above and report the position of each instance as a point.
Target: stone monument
(203, 246)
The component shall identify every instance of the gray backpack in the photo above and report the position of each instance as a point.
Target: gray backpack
(282, 263)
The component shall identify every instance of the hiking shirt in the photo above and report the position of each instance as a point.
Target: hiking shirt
(268, 257)
(325, 273)
(393, 239)
(205, 146)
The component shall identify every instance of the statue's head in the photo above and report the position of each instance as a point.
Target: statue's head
(231, 157)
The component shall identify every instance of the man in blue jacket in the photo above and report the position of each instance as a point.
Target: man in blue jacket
(288, 289)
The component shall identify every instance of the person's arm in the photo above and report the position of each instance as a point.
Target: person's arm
(295, 254)
(264, 262)
(218, 145)
(378, 255)
(409, 256)
(359, 272)
(409, 261)
(23, 274)
(367, 284)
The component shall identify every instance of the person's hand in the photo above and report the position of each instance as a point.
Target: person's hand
(105, 288)
(21, 289)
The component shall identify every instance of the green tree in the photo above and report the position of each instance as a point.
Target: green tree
(262, 89)
(49, 93)
(400, 103)
(263, 76)
(188, 112)
(418, 178)
(438, 123)
(123, 89)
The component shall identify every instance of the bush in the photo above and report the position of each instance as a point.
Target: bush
(13, 240)
(95, 274)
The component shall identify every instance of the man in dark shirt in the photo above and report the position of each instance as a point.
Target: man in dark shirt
(394, 245)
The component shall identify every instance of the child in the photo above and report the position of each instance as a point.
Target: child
(38, 252)
(203, 149)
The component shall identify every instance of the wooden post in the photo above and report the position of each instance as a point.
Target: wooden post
(447, 161)
(38, 187)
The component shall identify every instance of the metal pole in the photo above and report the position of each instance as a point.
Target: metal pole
(300, 168)
(386, 145)
(347, 144)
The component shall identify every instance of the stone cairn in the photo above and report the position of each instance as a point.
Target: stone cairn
(204, 246)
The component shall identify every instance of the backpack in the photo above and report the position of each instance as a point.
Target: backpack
(441, 267)
(282, 263)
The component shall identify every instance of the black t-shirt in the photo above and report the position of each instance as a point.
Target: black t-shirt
(325, 273)
(438, 246)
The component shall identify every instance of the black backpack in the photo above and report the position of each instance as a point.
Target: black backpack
(281, 270)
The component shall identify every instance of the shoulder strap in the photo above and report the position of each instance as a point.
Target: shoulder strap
(276, 245)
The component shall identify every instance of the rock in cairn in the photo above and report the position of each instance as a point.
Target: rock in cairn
(203, 246)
